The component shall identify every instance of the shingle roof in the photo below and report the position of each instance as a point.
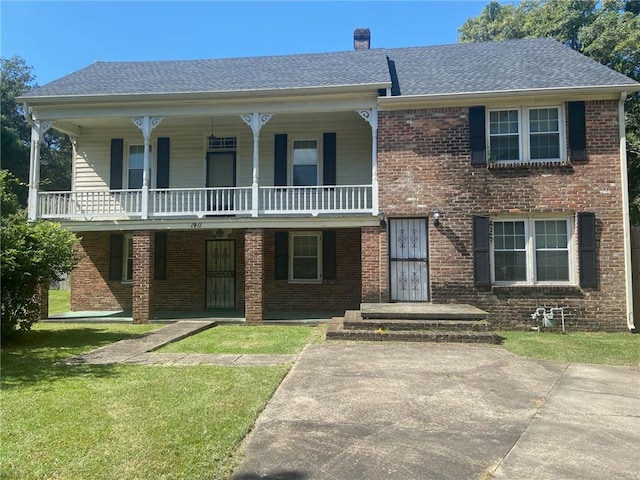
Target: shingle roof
(498, 66)
(443, 69)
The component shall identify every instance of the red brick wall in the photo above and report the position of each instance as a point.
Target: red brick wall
(254, 275)
(424, 163)
(91, 288)
(330, 296)
(143, 297)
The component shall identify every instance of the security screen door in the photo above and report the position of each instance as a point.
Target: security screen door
(408, 260)
(221, 274)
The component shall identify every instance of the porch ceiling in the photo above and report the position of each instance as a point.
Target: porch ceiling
(223, 124)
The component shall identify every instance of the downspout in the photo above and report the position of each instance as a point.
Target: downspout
(626, 221)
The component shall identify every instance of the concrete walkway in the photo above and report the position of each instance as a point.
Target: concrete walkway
(450, 412)
(137, 350)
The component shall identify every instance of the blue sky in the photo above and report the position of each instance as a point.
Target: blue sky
(57, 38)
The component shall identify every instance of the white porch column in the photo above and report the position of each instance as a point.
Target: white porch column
(146, 124)
(255, 121)
(38, 129)
(371, 117)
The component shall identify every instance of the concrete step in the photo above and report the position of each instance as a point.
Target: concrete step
(336, 331)
(421, 311)
(409, 324)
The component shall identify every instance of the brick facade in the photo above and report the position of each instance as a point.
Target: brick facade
(185, 283)
(423, 163)
(143, 297)
(91, 288)
(327, 297)
(254, 275)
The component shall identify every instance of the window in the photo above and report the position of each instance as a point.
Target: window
(135, 167)
(127, 259)
(532, 251)
(526, 134)
(305, 257)
(305, 162)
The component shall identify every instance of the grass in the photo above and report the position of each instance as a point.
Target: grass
(59, 301)
(579, 347)
(121, 421)
(248, 339)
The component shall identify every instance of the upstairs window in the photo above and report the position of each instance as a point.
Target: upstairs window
(305, 163)
(135, 166)
(525, 134)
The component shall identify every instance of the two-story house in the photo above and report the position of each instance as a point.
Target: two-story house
(491, 174)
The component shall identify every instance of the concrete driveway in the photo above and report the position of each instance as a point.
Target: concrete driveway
(435, 411)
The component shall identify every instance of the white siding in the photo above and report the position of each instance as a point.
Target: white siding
(188, 147)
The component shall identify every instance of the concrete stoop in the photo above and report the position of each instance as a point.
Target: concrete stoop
(413, 323)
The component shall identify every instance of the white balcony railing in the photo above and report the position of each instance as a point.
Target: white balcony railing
(89, 204)
(172, 202)
(199, 202)
(315, 200)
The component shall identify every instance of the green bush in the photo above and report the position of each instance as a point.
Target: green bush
(33, 254)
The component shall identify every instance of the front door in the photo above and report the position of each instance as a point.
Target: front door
(408, 260)
(221, 172)
(221, 274)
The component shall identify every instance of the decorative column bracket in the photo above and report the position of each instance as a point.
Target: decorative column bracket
(256, 121)
(371, 117)
(38, 129)
(146, 124)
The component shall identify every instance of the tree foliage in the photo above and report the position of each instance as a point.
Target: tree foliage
(17, 78)
(33, 254)
(607, 31)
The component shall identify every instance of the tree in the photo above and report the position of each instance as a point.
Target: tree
(607, 31)
(33, 254)
(16, 78)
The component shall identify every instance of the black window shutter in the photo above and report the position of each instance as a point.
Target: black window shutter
(329, 254)
(477, 136)
(280, 160)
(282, 255)
(587, 249)
(329, 158)
(481, 265)
(577, 131)
(162, 179)
(116, 241)
(160, 260)
(117, 155)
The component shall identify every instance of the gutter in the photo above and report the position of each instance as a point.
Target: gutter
(468, 98)
(626, 220)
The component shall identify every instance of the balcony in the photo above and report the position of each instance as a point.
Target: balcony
(200, 202)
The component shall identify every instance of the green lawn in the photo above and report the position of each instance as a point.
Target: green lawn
(59, 301)
(248, 339)
(580, 347)
(120, 421)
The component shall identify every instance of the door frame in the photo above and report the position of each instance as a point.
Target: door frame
(390, 259)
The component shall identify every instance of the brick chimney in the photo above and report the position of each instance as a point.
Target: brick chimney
(361, 39)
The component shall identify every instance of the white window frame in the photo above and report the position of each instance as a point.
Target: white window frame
(524, 133)
(319, 180)
(530, 248)
(152, 163)
(318, 237)
(127, 254)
